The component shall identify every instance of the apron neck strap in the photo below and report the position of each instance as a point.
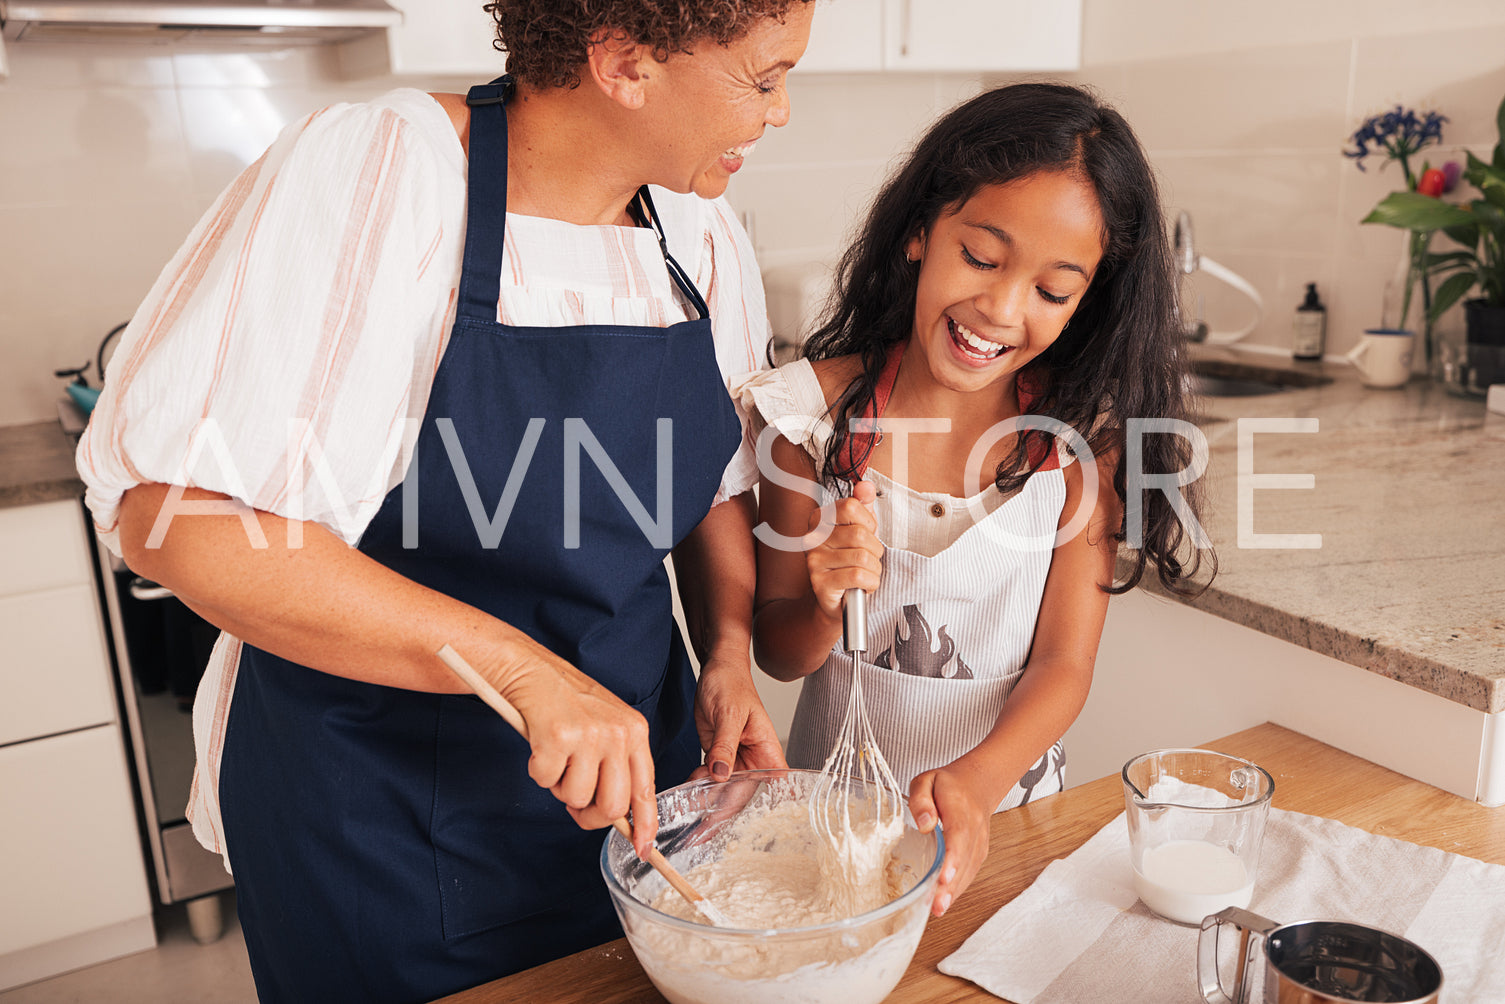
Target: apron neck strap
(485, 200)
(486, 209)
(874, 411)
(642, 210)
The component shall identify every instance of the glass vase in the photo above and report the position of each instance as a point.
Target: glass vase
(1408, 295)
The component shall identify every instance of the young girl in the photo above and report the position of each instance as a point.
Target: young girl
(1016, 266)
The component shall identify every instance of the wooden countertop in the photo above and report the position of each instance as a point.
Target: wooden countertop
(1310, 777)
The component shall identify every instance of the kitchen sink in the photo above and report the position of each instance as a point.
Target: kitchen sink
(1222, 378)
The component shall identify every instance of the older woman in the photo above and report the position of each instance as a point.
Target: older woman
(445, 370)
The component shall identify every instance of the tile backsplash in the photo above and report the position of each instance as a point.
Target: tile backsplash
(109, 153)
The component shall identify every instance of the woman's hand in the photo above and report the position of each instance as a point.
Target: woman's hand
(716, 574)
(589, 748)
(962, 800)
(851, 556)
(735, 730)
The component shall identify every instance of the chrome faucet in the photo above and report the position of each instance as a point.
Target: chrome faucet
(1187, 261)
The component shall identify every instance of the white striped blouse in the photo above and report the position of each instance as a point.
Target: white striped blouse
(289, 346)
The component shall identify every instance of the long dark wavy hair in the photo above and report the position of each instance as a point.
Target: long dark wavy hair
(1120, 357)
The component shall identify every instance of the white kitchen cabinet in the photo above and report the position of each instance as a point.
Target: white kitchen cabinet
(846, 36)
(436, 38)
(944, 36)
(1168, 674)
(57, 677)
(73, 887)
(71, 873)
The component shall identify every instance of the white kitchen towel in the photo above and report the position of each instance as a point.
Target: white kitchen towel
(1079, 934)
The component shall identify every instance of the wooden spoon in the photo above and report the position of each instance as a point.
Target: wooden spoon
(486, 692)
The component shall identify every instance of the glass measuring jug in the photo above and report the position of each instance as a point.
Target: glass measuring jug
(1196, 820)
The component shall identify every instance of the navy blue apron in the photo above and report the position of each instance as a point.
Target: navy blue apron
(388, 845)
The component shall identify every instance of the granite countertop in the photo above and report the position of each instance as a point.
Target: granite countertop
(1409, 499)
(36, 464)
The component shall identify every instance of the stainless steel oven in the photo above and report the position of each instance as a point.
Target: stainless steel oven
(161, 648)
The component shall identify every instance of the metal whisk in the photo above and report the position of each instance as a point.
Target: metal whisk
(856, 766)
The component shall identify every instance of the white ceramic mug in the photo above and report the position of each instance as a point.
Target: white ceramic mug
(1383, 357)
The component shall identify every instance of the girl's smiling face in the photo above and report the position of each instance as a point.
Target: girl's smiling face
(1002, 274)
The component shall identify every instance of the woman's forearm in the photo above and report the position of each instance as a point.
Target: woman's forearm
(715, 570)
(322, 604)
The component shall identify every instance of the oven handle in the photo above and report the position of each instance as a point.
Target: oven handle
(146, 589)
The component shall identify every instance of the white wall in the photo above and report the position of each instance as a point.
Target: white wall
(1245, 107)
(108, 154)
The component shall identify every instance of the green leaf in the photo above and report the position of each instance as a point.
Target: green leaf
(1450, 292)
(1475, 169)
(1500, 129)
(1489, 215)
(1466, 234)
(1436, 261)
(1493, 189)
(1414, 211)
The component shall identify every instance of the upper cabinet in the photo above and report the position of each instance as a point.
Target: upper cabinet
(944, 36)
(453, 38)
(436, 38)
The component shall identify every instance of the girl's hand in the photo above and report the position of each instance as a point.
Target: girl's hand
(963, 803)
(851, 556)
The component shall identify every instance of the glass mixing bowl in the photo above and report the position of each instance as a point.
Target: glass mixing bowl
(857, 960)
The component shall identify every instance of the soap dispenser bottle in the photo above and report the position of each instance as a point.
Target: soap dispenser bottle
(1310, 326)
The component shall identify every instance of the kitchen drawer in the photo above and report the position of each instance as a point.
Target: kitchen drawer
(44, 547)
(70, 856)
(55, 676)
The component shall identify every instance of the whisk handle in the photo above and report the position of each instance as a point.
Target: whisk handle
(854, 620)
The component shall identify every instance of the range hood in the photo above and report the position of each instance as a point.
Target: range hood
(282, 22)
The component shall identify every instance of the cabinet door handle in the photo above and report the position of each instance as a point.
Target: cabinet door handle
(904, 19)
(145, 589)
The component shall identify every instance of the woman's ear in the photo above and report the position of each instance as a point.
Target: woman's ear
(619, 67)
(914, 248)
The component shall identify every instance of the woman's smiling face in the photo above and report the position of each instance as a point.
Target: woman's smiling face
(1002, 274)
(715, 103)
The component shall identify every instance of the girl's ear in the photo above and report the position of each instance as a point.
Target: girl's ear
(618, 66)
(914, 248)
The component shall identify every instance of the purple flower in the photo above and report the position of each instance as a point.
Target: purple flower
(1400, 133)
